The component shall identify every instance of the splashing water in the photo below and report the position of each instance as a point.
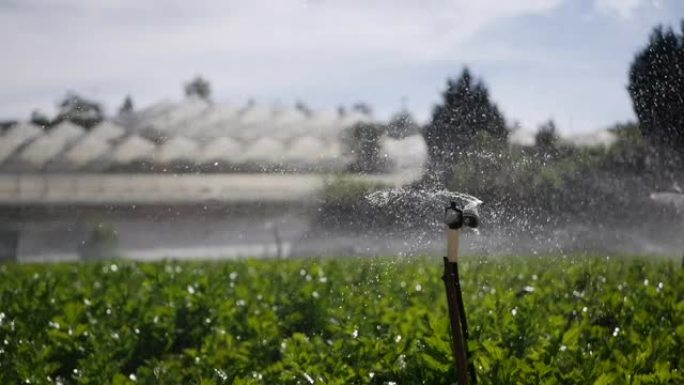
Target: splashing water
(403, 196)
(417, 213)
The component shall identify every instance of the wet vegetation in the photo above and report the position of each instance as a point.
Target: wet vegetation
(583, 320)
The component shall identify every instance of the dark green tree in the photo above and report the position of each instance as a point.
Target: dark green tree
(40, 119)
(364, 143)
(656, 85)
(546, 138)
(126, 106)
(363, 108)
(79, 110)
(402, 124)
(466, 120)
(198, 87)
(303, 108)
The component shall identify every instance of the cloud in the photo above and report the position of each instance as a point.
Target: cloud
(246, 46)
(624, 8)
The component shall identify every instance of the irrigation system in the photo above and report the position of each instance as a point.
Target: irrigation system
(455, 218)
(460, 211)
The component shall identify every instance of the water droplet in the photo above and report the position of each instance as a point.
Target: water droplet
(308, 378)
(221, 374)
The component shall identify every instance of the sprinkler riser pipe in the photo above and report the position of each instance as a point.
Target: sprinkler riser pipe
(453, 241)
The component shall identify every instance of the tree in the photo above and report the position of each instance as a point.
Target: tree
(402, 125)
(40, 119)
(303, 108)
(127, 106)
(656, 86)
(364, 142)
(198, 87)
(465, 120)
(363, 108)
(546, 138)
(78, 110)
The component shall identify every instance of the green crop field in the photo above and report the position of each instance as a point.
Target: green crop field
(534, 320)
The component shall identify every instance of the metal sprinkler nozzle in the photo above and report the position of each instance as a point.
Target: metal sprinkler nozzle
(456, 217)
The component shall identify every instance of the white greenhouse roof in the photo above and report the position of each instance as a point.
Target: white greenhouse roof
(255, 114)
(265, 150)
(216, 122)
(107, 131)
(222, 150)
(66, 131)
(186, 111)
(305, 149)
(17, 136)
(87, 150)
(177, 149)
(133, 148)
(48, 146)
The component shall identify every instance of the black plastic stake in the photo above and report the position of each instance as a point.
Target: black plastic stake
(458, 344)
(459, 325)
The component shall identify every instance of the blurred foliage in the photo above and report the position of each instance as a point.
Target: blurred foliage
(347, 188)
(40, 119)
(127, 106)
(9, 242)
(344, 203)
(546, 139)
(76, 109)
(199, 88)
(551, 320)
(363, 142)
(656, 85)
(401, 125)
(102, 243)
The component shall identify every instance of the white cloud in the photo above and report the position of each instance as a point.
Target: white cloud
(624, 8)
(244, 46)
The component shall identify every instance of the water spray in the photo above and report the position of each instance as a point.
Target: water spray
(455, 218)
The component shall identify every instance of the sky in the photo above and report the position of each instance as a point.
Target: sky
(565, 60)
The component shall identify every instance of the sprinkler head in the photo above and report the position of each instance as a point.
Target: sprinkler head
(456, 217)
